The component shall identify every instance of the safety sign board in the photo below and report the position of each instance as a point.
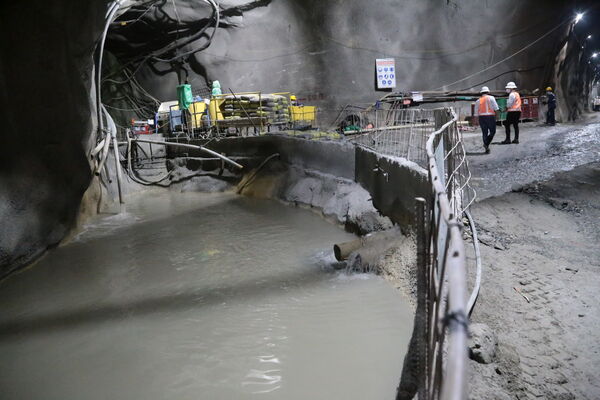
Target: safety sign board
(385, 68)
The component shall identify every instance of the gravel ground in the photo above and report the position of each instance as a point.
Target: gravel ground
(538, 216)
(542, 152)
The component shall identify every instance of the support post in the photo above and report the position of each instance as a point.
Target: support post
(422, 293)
(118, 168)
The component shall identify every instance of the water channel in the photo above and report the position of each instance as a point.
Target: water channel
(200, 296)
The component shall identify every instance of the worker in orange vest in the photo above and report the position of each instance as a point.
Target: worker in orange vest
(513, 114)
(485, 109)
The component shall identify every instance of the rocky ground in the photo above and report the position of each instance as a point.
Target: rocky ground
(536, 321)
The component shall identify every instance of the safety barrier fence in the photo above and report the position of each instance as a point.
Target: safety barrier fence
(444, 264)
(431, 139)
(393, 132)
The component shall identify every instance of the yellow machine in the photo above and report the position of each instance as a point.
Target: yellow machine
(252, 111)
(215, 108)
(303, 113)
(197, 109)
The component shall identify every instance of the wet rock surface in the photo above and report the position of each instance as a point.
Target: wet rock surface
(46, 55)
(340, 200)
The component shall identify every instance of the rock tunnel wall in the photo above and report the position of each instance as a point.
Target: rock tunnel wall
(45, 82)
(325, 50)
(322, 50)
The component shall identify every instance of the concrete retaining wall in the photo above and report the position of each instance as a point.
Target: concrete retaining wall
(335, 158)
(393, 183)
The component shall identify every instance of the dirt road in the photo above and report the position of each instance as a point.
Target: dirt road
(538, 216)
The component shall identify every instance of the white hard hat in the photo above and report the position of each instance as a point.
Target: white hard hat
(511, 85)
(484, 89)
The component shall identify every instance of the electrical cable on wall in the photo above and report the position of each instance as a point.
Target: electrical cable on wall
(504, 73)
(506, 58)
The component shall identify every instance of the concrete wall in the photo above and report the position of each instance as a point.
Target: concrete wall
(393, 183)
(335, 158)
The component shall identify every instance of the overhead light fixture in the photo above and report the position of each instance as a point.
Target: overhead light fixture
(594, 55)
(589, 37)
(578, 17)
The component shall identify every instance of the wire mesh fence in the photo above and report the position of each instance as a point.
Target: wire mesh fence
(444, 264)
(393, 132)
(403, 132)
(431, 138)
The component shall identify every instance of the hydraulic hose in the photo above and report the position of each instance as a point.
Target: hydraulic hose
(475, 293)
(195, 37)
(113, 8)
(131, 172)
(111, 131)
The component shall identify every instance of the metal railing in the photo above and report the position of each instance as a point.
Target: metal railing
(444, 265)
(430, 138)
(403, 132)
(397, 132)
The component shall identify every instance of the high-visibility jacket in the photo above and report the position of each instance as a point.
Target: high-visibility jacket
(486, 105)
(514, 102)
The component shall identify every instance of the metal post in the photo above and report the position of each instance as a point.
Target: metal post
(118, 168)
(422, 289)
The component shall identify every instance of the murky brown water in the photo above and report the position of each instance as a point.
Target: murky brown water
(194, 296)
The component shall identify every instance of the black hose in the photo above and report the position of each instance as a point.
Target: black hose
(216, 16)
(504, 73)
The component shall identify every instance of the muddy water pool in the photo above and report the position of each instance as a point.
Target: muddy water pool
(196, 296)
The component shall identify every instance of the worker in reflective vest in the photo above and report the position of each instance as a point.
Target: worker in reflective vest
(485, 109)
(513, 112)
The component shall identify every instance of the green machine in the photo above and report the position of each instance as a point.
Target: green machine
(184, 96)
(502, 104)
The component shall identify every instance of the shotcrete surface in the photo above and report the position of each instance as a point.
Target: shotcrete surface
(196, 294)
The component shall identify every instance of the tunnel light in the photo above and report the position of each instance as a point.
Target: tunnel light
(589, 37)
(594, 55)
(578, 17)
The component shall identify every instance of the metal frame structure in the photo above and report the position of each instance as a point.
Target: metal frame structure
(430, 138)
(444, 266)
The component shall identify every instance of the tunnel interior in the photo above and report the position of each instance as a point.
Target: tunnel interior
(93, 248)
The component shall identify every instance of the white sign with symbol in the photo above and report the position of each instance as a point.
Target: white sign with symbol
(386, 73)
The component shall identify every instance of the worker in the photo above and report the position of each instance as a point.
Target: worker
(513, 114)
(551, 101)
(294, 100)
(485, 109)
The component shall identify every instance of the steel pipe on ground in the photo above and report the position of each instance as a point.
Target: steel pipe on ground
(343, 250)
(192, 146)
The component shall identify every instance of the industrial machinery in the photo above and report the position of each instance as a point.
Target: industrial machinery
(143, 127)
(246, 113)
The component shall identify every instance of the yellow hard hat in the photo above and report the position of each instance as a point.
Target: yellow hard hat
(293, 97)
(548, 89)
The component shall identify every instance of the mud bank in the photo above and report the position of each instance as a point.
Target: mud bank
(541, 252)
